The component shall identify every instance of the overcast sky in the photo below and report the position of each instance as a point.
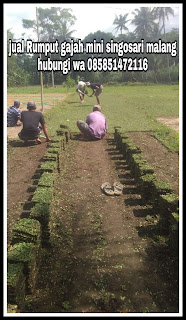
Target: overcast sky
(90, 17)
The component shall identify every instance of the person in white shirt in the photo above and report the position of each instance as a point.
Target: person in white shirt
(81, 90)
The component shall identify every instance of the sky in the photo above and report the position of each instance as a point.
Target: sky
(91, 17)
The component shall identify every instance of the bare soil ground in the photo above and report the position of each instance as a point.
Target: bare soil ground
(172, 122)
(49, 99)
(106, 254)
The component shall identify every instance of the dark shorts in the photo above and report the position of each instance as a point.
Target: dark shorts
(98, 92)
(28, 135)
(83, 126)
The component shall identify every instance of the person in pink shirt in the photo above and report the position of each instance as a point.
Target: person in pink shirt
(95, 126)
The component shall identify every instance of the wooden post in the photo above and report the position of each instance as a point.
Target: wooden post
(52, 75)
(41, 73)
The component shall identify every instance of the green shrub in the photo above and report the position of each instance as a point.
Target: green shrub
(69, 83)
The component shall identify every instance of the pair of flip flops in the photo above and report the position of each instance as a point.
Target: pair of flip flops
(110, 190)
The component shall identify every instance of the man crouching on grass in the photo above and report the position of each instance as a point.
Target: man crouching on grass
(31, 120)
(95, 126)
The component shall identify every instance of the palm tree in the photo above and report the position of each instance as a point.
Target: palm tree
(66, 34)
(144, 22)
(163, 13)
(120, 22)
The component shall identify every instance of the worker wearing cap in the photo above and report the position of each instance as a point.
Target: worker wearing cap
(31, 120)
(14, 114)
(97, 88)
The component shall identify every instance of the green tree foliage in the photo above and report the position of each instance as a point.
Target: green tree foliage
(144, 22)
(16, 73)
(162, 14)
(57, 23)
(120, 23)
(54, 23)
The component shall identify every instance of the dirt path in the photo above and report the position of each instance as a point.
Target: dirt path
(102, 257)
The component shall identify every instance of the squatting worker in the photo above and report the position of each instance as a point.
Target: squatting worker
(95, 126)
(97, 88)
(31, 120)
(14, 114)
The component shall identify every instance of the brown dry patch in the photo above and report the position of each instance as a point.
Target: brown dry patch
(49, 99)
(172, 122)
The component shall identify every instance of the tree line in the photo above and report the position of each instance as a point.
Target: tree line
(57, 23)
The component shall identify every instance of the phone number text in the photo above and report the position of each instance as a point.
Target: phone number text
(114, 64)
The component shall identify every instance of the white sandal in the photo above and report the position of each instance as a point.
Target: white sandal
(107, 189)
(118, 188)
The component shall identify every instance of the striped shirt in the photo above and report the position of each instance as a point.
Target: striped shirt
(13, 115)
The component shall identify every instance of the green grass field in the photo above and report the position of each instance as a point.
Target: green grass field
(134, 108)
